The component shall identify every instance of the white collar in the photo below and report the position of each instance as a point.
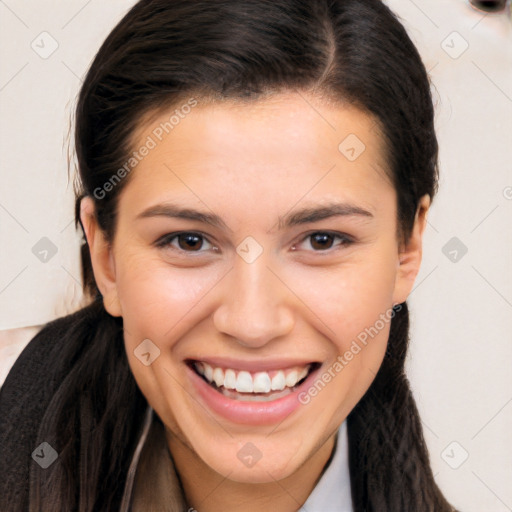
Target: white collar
(332, 492)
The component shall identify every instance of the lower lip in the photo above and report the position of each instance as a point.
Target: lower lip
(248, 413)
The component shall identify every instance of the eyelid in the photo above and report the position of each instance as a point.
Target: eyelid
(346, 239)
(165, 241)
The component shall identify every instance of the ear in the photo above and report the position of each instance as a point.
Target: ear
(102, 258)
(410, 254)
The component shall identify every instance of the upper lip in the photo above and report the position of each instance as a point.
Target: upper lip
(252, 366)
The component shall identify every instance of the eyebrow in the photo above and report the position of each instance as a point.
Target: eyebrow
(315, 214)
(302, 216)
(175, 211)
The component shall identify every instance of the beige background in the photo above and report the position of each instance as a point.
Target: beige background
(461, 353)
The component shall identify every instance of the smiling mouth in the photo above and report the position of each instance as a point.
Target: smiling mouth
(262, 386)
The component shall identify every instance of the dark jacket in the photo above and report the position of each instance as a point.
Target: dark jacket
(24, 397)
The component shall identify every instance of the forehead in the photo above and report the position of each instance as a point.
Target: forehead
(277, 150)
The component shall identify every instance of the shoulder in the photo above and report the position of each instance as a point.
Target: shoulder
(33, 369)
(27, 390)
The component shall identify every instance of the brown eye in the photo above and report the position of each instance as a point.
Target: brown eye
(322, 241)
(185, 241)
(190, 241)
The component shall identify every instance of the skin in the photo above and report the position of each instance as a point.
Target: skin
(252, 164)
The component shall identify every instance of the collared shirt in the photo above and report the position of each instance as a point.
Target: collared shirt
(331, 493)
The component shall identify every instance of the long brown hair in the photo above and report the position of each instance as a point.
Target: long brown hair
(160, 54)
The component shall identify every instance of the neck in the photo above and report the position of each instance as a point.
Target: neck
(208, 491)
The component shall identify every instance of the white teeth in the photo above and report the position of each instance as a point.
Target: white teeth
(230, 379)
(218, 377)
(278, 382)
(302, 374)
(208, 372)
(291, 378)
(255, 398)
(245, 382)
(261, 382)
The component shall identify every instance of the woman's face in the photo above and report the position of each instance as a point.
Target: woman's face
(287, 263)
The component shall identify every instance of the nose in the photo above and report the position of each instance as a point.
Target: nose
(256, 306)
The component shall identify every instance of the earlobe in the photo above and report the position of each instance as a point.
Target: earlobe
(102, 258)
(411, 253)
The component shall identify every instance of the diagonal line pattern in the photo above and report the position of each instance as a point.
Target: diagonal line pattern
(3, 3)
(492, 81)
(481, 19)
(14, 76)
(488, 215)
(67, 225)
(423, 280)
(432, 226)
(14, 218)
(508, 508)
(424, 13)
(503, 407)
(285, 490)
(432, 68)
(76, 14)
(429, 429)
(316, 110)
(13, 279)
(71, 275)
(79, 78)
(212, 491)
(493, 287)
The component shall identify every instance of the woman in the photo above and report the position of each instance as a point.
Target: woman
(254, 180)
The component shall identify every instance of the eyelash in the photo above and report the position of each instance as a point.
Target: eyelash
(166, 240)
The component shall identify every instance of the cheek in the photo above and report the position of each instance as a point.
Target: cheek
(157, 299)
(160, 303)
(352, 308)
(348, 298)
